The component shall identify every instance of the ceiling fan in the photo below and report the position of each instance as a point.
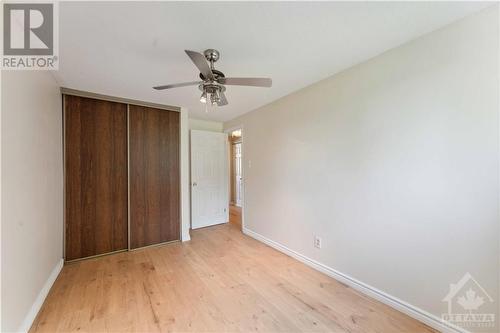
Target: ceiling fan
(213, 81)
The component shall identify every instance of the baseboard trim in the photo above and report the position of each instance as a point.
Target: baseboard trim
(37, 305)
(185, 237)
(394, 302)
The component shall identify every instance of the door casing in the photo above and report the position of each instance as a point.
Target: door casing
(243, 163)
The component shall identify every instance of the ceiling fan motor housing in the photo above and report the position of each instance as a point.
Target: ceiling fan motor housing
(217, 74)
(211, 87)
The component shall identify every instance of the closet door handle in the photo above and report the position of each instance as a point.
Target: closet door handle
(195, 184)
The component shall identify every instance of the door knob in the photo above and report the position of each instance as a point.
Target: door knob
(195, 184)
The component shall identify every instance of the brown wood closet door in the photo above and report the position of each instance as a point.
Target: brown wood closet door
(95, 177)
(154, 176)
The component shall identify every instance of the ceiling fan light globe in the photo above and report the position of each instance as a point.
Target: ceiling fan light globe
(217, 95)
(203, 97)
(213, 98)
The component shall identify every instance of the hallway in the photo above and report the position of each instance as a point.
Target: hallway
(235, 216)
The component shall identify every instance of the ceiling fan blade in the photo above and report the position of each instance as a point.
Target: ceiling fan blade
(223, 99)
(177, 85)
(200, 62)
(247, 81)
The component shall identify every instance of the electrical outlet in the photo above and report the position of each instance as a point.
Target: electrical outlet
(317, 242)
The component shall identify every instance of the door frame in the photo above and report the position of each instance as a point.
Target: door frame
(237, 182)
(243, 187)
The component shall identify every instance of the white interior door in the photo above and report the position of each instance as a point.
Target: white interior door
(209, 181)
(237, 173)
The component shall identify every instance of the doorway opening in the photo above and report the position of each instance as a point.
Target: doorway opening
(235, 138)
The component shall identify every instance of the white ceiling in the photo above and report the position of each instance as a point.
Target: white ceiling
(125, 48)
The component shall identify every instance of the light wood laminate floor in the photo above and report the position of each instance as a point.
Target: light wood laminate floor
(220, 281)
(235, 215)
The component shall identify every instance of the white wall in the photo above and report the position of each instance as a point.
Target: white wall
(393, 162)
(205, 125)
(32, 193)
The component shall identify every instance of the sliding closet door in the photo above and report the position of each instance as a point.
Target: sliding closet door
(154, 176)
(95, 176)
